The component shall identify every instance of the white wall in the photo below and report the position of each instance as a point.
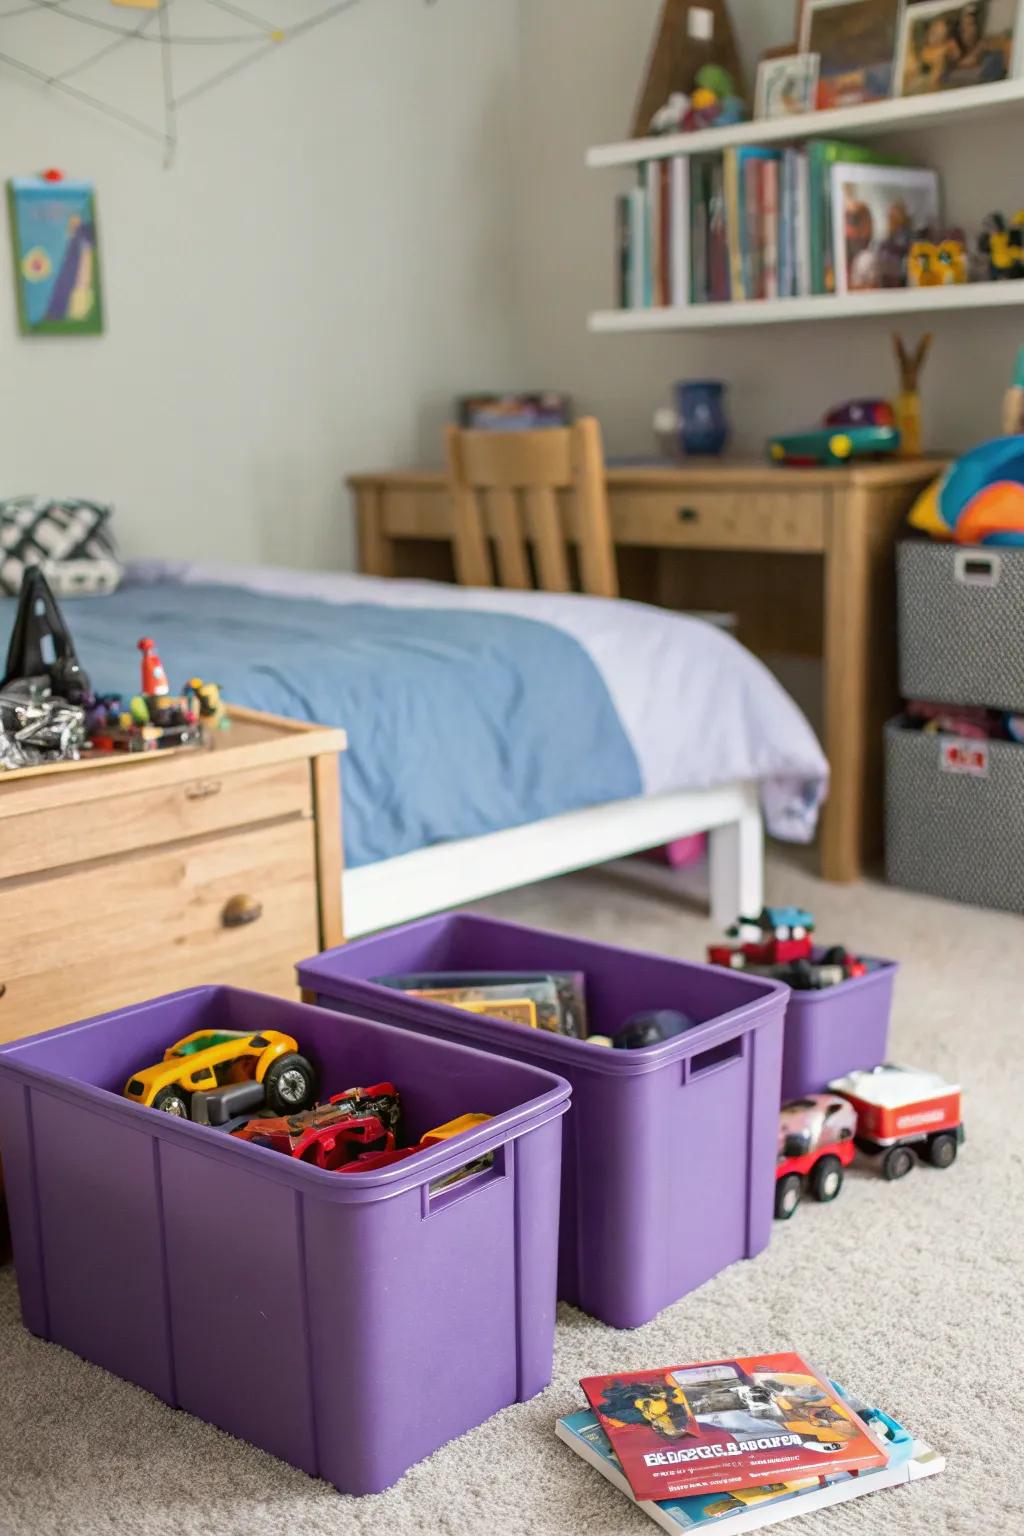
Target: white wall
(327, 263)
(581, 62)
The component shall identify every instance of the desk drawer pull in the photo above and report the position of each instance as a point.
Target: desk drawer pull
(688, 515)
(241, 910)
(203, 790)
(3, 988)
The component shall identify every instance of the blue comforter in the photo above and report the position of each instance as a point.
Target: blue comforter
(459, 722)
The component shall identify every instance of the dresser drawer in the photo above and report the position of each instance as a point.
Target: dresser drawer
(40, 832)
(238, 908)
(725, 519)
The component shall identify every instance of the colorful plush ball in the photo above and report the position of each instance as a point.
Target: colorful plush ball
(979, 499)
(703, 98)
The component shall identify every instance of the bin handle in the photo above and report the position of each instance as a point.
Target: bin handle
(975, 568)
(716, 1057)
(436, 1198)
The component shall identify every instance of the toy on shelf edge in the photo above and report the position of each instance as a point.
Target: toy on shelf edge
(713, 103)
(1001, 245)
(155, 718)
(209, 1060)
(816, 1143)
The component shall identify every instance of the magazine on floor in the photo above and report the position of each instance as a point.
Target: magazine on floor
(754, 1508)
(728, 1424)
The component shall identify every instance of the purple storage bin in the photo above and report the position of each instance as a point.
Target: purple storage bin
(836, 1030)
(264, 1294)
(668, 1153)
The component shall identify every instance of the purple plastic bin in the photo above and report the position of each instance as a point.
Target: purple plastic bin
(668, 1153)
(836, 1030)
(269, 1296)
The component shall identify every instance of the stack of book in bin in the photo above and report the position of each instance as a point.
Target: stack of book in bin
(739, 1444)
(755, 223)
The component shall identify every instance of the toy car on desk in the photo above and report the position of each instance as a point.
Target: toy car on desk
(902, 1112)
(210, 1061)
(816, 1143)
(858, 429)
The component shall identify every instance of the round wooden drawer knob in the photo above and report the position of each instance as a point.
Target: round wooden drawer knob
(241, 910)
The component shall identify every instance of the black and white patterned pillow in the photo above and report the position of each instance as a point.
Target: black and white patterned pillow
(69, 538)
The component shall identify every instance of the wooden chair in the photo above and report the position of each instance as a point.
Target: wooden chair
(505, 487)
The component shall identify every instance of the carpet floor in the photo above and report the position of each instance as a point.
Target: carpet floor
(910, 1293)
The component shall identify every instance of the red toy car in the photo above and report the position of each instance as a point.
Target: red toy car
(902, 1114)
(333, 1134)
(816, 1143)
(775, 936)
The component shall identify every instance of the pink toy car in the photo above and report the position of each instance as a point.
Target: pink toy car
(816, 1143)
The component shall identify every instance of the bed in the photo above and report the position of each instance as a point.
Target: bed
(495, 737)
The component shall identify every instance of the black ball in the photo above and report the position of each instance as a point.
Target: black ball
(652, 1027)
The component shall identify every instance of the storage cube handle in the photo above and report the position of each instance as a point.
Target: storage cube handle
(715, 1058)
(975, 568)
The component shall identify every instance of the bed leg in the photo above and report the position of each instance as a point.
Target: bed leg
(736, 865)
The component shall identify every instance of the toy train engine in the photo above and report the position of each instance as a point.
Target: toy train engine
(904, 1114)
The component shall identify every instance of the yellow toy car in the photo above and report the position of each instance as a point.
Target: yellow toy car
(216, 1059)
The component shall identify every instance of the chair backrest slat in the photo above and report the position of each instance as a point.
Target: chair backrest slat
(504, 487)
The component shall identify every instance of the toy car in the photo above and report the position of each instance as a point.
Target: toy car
(816, 1142)
(902, 1112)
(834, 445)
(332, 1134)
(212, 1059)
(775, 936)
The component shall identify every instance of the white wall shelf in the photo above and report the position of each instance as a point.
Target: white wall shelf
(879, 301)
(869, 120)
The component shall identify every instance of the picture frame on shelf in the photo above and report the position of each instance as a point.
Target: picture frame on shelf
(856, 41)
(876, 212)
(786, 86)
(947, 44)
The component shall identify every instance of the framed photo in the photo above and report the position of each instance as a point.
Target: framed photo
(945, 44)
(786, 86)
(856, 44)
(56, 261)
(876, 212)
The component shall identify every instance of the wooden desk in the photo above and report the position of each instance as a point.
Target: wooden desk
(802, 556)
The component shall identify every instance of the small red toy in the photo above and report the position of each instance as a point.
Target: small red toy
(330, 1135)
(776, 936)
(816, 1143)
(154, 678)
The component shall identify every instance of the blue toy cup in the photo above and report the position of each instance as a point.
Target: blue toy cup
(703, 424)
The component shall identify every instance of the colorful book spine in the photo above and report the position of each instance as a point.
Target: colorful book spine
(770, 228)
(719, 283)
(622, 250)
(733, 225)
(638, 244)
(678, 182)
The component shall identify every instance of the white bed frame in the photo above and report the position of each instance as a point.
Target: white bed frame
(451, 874)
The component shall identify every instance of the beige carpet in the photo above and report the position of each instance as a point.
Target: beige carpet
(910, 1293)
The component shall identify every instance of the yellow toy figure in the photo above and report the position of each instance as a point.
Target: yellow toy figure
(211, 708)
(907, 404)
(922, 265)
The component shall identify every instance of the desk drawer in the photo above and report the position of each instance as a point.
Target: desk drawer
(726, 519)
(107, 934)
(145, 814)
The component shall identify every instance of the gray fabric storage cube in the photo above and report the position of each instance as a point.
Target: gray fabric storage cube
(961, 623)
(954, 817)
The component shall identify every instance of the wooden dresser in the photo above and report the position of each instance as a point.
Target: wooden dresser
(129, 877)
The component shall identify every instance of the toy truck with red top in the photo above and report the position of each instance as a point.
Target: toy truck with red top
(903, 1113)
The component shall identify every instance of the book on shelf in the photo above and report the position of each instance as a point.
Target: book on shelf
(759, 1506)
(727, 1424)
(749, 223)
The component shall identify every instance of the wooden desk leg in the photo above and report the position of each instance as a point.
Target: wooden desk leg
(847, 638)
(376, 550)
